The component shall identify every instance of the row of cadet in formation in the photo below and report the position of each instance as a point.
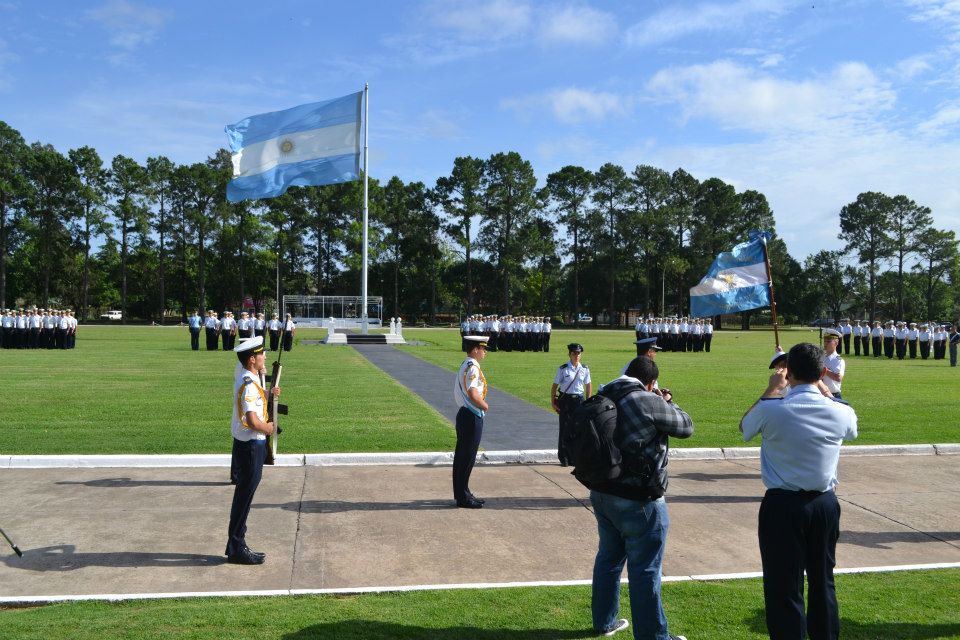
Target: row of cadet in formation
(509, 333)
(677, 334)
(900, 339)
(38, 329)
(225, 330)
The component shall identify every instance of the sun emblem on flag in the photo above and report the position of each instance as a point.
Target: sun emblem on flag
(286, 146)
(728, 278)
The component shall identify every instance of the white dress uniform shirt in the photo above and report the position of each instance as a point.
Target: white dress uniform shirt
(572, 380)
(64, 322)
(275, 324)
(469, 377)
(248, 395)
(836, 364)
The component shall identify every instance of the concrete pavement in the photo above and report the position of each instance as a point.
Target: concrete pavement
(163, 530)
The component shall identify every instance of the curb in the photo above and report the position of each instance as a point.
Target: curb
(436, 458)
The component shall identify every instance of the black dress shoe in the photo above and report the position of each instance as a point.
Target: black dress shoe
(245, 557)
(469, 503)
(254, 553)
(473, 497)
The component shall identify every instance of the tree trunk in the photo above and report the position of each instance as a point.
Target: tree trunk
(201, 281)
(163, 282)
(469, 270)
(86, 271)
(123, 272)
(576, 278)
(3, 255)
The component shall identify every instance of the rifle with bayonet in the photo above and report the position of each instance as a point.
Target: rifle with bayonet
(274, 409)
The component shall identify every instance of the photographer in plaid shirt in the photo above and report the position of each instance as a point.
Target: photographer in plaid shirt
(631, 514)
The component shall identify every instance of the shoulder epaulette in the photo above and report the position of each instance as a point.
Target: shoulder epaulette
(764, 399)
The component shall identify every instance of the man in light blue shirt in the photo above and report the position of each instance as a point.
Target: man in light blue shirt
(193, 322)
(799, 520)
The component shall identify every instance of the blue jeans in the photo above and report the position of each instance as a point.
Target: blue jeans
(634, 533)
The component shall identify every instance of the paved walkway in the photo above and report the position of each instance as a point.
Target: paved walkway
(435, 385)
(130, 531)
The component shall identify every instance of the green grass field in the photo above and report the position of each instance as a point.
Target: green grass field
(909, 401)
(141, 390)
(893, 606)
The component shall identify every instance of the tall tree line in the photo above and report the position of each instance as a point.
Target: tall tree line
(157, 240)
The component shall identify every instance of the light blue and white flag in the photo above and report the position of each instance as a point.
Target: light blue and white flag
(313, 144)
(736, 281)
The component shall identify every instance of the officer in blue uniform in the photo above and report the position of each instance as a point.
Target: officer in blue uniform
(470, 394)
(194, 323)
(572, 380)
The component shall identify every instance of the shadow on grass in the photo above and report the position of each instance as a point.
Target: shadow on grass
(495, 504)
(880, 630)
(64, 557)
(375, 630)
(123, 483)
(884, 539)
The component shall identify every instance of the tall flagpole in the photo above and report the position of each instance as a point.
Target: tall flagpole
(366, 175)
(773, 299)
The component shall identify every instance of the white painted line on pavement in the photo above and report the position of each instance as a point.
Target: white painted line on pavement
(431, 458)
(117, 597)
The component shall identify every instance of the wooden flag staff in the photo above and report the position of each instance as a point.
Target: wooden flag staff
(773, 300)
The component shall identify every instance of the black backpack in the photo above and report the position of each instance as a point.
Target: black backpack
(589, 441)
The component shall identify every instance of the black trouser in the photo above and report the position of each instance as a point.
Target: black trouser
(888, 347)
(846, 343)
(287, 340)
(865, 342)
(258, 333)
(195, 339)
(211, 339)
(34, 338)
(58, 338)
(953, 354)
(506, 341)
(274, 340)
(546, 342)
(901, 349)
(469, 432)
(798, 532)
(940, 349)
(924, 349)
(706, 341)
(856, 345)
(492, 341)
(877, 341)
(249, 458)
(913, 348)
(568, 403)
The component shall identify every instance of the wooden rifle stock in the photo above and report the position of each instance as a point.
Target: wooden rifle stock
(274, 409)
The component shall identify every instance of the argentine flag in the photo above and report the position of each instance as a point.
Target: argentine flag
(736, 281)
(313, 144)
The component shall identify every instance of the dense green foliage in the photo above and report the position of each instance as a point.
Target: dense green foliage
(921, 605)
(157, 240)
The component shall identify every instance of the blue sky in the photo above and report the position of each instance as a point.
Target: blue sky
(808, 102)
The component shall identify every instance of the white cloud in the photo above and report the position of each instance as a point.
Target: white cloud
(739, 98)
(945, 119)
(771, 60)
(481, 21)
(130, 25)
(578, 25)
(569, 105)
(911, 67)
(945, 13)
(679, 20)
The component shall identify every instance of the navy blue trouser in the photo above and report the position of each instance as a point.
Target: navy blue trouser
(798, 532)
(249, 457)
(469, 431)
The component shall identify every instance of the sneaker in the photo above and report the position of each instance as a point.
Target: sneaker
(678, 637)
(622, 624)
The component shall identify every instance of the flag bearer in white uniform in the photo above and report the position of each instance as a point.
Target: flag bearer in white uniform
(250, 430)
(833, 365)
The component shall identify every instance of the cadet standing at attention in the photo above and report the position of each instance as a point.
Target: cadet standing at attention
(250, 430)
(275, 327)
(573, 381)
(833, 365)
(470, 393)
(289, 328)
(194, 323)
